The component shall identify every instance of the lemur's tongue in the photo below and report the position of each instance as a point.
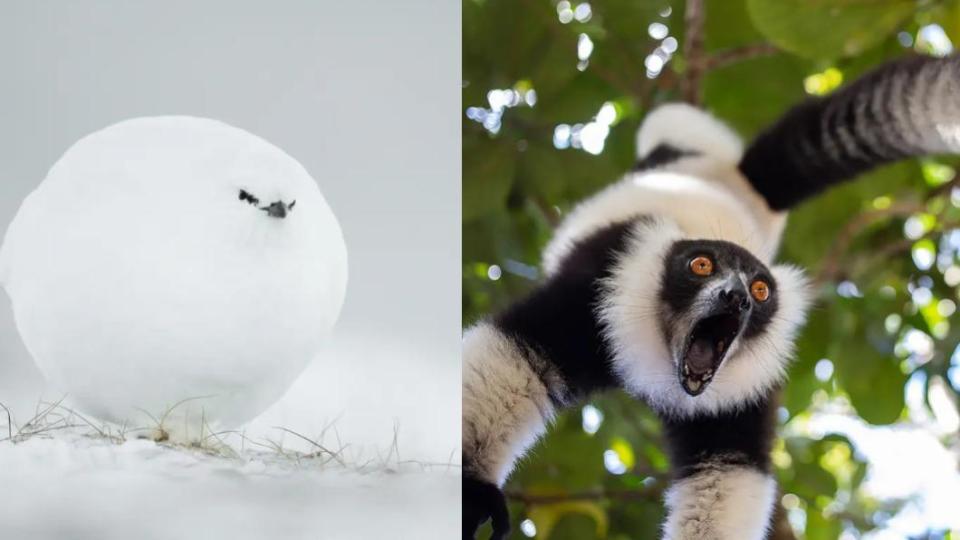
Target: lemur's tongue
(707, 347)
(700, 356)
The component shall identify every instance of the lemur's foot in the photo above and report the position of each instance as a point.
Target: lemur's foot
(483, 501)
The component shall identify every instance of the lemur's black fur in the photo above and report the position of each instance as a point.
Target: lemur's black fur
(662, 154)
(484, 501)
(558, 321)
(742, 437)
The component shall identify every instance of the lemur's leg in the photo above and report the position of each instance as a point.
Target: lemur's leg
(518, 371)
(723, 488)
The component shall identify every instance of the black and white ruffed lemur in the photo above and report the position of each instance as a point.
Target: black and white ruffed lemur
(663, 284)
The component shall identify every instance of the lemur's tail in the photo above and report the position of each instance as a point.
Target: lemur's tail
(910, 107)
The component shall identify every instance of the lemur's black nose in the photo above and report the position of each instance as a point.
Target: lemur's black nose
(277, 210)
(735, 299)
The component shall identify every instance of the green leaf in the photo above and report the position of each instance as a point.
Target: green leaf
(547, 517)
(811, 347)
(813, 227)
(728, 25)
(826, 29)
(488, 165)
(624, 451)
(821, 528)
(947, 15)
(776, 83)
(812, 480)
(866, 369)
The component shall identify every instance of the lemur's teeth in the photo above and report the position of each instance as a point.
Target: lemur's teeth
(686, 369)
(707, 376)
(694, 385)
(721, 345)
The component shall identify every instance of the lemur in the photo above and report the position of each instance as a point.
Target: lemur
(663, 284)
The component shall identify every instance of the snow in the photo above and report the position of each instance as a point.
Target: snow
(149, 280)
(77, 488)
(396, 474)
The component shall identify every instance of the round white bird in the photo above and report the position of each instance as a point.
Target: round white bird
(176, 268)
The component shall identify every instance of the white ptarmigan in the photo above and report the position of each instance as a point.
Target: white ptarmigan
(174, 266)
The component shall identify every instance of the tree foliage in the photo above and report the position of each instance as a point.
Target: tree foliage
(545, 80)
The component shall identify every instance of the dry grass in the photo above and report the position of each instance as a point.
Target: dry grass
(50, 417)
(327, 450)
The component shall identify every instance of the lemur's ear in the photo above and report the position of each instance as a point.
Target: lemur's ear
(906, 108)
(689, 130)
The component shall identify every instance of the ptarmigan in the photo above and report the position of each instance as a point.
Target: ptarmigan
(174, 266)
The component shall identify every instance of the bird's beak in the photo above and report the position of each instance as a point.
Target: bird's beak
(277, 210)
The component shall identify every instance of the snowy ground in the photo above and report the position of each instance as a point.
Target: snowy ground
(371, 452)
(71, 487)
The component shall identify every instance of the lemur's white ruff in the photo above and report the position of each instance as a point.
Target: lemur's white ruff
(643, 359)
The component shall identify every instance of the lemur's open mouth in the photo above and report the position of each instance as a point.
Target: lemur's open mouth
(706, 347)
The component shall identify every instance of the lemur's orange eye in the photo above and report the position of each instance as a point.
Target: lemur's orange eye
(760, 291)
(701, 266)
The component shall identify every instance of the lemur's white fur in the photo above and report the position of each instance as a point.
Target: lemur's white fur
(720, 503)
(687, 127)
(507, 403)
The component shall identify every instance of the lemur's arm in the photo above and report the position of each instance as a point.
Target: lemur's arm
(722, 485)
(506, 407)
(519, 369)
(521, 366)
(906, 108)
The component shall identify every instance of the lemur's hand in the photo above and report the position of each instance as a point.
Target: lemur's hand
(482, 501)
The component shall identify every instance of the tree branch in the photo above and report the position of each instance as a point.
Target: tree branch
(830, 269)
(550, 214)
(726, 57)
(652, 493)
(901, 247)
(781, 525)
(693, 53)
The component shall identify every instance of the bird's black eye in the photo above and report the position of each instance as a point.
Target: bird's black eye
(244, 196)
